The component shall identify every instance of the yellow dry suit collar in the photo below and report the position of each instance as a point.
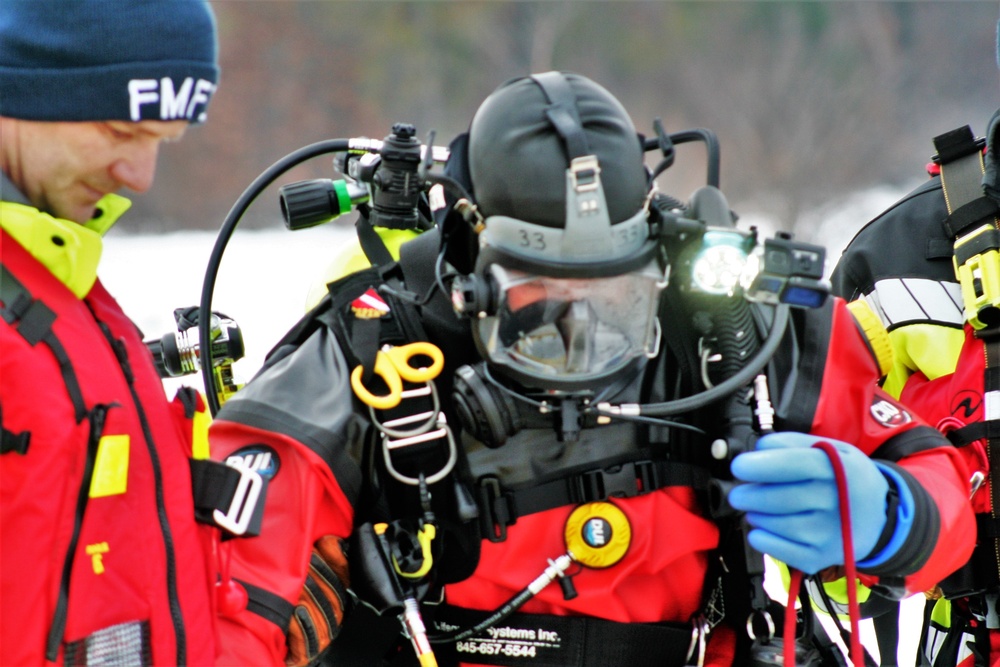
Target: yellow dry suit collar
(69, 250)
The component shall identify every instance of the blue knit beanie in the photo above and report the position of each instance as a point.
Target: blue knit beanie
(85, 60)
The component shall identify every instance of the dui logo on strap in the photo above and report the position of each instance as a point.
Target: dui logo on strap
(598, 534)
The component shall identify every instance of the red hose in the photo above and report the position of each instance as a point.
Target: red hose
(850, 570)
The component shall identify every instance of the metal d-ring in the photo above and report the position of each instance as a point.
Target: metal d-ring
(768, 621)
(444, 431)
(425, 420)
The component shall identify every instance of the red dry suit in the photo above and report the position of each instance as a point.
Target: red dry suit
(100, 555)
(300, 409)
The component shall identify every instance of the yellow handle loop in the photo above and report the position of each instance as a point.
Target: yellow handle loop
(385, 369)
(392, 364)
(401, 356)
(425, 537)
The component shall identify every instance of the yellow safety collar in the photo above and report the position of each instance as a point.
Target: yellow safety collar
(70, 251)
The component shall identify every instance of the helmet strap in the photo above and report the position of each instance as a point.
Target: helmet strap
(562, 112)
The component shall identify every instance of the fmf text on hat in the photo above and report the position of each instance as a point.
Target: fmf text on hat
(86, 60)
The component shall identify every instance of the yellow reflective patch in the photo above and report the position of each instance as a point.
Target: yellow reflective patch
(941, 613)
(96, 553)
(199, 434)
(111, 467)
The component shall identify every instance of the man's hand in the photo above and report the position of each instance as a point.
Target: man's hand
(791, 502)
(322, 604)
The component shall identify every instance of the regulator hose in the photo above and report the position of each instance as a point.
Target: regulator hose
(742, 377)
(737, 339)
(225, 233)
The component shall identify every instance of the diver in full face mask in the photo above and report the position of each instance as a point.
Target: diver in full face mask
(577, 445)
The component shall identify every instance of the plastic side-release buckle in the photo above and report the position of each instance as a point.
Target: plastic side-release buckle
(977, 267)
(246, 504)
(956, 144)
(627, 480)
(497, 513)
(585, 173)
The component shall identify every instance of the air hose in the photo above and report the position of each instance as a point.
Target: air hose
(226, 232)
(856, 652)
(736, 336)
(742, 377)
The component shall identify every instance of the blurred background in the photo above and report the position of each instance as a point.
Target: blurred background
(813, 102)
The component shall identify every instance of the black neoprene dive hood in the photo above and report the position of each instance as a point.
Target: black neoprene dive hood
(517, 159)
(566, 279)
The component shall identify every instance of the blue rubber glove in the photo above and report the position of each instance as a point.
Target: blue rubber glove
(790, 500)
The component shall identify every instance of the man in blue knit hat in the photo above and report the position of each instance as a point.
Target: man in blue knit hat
(101, 557)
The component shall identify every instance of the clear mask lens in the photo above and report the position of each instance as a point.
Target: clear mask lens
(572, 328)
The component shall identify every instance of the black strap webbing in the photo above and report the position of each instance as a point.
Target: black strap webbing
(907, 443)
(33, 320)
(216, 486)
(14, 442)
(625, 480)
(371, 243)
(562, 112)
(267, 605)
(213, 484)
(961, 159)
(974, 431)
(563, 641)
(972, 213)
(956, 144)
(987, 527)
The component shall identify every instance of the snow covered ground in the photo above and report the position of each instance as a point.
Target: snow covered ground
(265, 276)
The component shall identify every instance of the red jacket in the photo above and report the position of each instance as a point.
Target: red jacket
(301, 408)
(81, 562)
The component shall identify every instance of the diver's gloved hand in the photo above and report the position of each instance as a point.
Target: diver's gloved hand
(790, 497)
(322, 604)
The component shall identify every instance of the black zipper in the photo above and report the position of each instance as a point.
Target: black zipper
(97, 416)
(176, 615)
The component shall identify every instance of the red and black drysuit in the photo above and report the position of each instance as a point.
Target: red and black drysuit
(301, 408)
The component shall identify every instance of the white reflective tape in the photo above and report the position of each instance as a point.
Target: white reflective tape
(933, 644)
(901, 300)
(991, 405)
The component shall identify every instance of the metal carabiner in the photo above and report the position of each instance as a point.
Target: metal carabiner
(699, 642)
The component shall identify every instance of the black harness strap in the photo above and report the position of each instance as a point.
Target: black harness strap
(267, 605)
(33, 320)
(214, 486)
(502, 507)
(562, 112)
(908, 443)
(961, 158)
(967, 215)
(544, 640)
(371, 243)
(13, 442)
